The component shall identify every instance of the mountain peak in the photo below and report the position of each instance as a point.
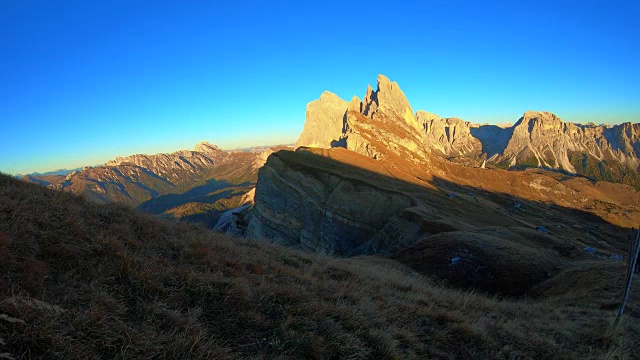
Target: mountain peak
(329, 96)
(389, 99)
(324, 121)
(332, 121)
(541, 121)
(205, 147)
(384, 81)
(540, 114)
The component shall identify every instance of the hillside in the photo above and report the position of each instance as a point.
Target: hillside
(508, 230)
(81, 280)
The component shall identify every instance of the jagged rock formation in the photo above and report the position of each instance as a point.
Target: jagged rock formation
(384, 122)
(450, 137)
(196, 185)
(543, 139)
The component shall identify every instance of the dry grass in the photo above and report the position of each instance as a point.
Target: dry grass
(85, 281)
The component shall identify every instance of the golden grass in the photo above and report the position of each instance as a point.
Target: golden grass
(85, 281)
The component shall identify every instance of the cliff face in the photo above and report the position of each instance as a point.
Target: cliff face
(325, 121)
(298, 203)
(384, 123)
(543, 139)
(450, 137)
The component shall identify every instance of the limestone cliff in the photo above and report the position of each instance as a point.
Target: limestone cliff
(543, 139)
(325, 121)
(388, 102)
(449, 137)
(299, 203)
(384, 123)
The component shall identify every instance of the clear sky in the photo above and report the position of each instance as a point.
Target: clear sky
(84, 81)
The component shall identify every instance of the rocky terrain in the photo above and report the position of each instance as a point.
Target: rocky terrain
(386, 185)
(384, 119)
(196, 185)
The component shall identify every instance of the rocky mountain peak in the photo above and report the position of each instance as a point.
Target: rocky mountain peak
(370, 103)
(388, 101)
(328, 96)
(325, 120)
(542, 120)
(355, 104)
(205, 147)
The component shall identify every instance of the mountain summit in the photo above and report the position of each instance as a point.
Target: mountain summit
(384, 122)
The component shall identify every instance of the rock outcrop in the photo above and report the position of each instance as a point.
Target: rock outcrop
(338, 202)
(383, 121)
(388, 102)
(303, 200)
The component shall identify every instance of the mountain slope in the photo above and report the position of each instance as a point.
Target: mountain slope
(374, 193)
(538, 139)
(82, 280)
(189, 185)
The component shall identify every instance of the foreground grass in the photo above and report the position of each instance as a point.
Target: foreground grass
(83, 281)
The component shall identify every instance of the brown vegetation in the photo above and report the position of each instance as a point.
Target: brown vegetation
(80, 280)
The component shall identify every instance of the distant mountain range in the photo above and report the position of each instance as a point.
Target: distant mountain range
(196, 185)
(62, 172)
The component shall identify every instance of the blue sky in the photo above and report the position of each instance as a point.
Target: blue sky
(84, 81)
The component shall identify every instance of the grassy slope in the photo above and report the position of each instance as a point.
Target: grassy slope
(79, 280)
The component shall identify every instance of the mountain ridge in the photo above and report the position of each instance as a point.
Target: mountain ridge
(538, 138)
(185, 184)
(313, 198)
